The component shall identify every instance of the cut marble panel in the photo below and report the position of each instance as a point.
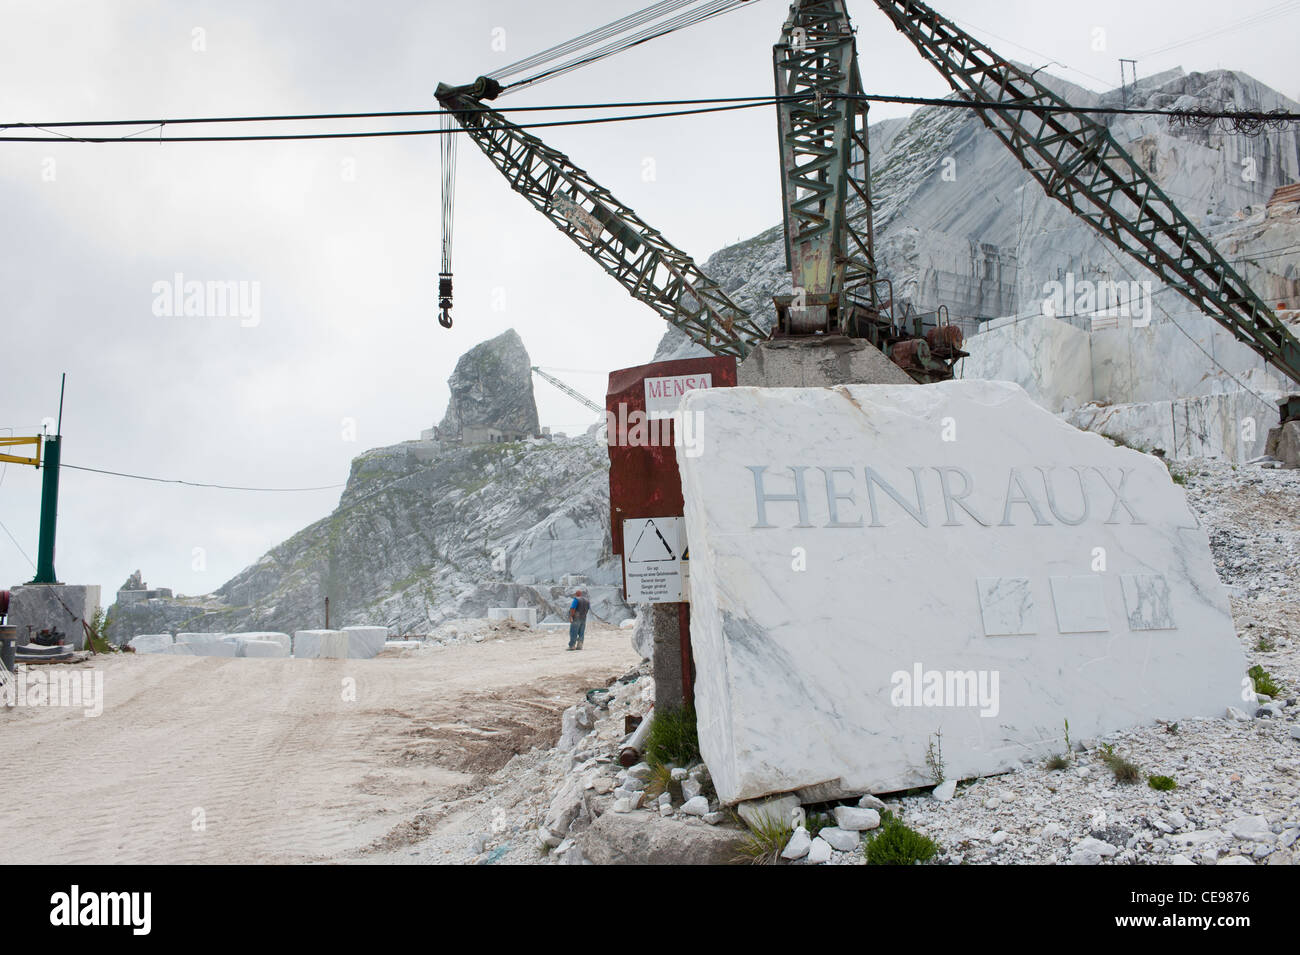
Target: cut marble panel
(1006, 605)
(1147, 599)
(1080, 604)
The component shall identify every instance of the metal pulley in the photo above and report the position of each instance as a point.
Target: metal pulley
(444, 299)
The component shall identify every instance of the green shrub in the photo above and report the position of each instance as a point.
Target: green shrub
(1163, 783)
(672, 738)
(896, 844)
(1263, 682)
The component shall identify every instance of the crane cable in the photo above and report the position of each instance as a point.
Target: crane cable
(657, 26)
(587, 39)
(707, 11)
(448, 142)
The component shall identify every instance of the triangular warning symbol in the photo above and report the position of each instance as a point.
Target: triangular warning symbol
(650, 546)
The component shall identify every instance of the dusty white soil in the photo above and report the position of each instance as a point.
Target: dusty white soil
(206, 760)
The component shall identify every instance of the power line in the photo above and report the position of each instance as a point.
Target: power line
(381, 133)
(1271, 13)
(224, 487)
(727, 104)
(18, 545)
(388, 114)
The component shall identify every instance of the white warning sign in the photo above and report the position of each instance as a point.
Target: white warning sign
(652, 559)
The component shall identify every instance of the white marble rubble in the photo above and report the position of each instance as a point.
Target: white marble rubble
(875, 565)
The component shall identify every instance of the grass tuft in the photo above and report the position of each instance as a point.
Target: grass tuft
(1124, 770)
(673, 738)
(1163, 783)
(660, 781)
(765, 841)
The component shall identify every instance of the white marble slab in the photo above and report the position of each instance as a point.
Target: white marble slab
(891, 585)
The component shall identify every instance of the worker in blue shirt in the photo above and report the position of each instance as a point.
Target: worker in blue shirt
(578, 619)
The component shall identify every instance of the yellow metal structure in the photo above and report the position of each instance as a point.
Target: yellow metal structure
(16, 459)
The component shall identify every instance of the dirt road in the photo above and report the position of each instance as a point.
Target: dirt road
(205, 760)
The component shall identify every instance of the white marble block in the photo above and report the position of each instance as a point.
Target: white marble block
(875, 565)
(313, 644)
(249, 647)
(150, 642)
(206, 644)
(273, 635)
(365, 642)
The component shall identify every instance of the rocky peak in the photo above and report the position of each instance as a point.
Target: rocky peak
(491, 393)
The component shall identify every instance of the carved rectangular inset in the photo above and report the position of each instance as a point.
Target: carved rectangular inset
(1146, 598)
(1080, 604)
(1006, 605)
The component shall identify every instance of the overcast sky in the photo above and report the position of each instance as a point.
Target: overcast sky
(342, 238)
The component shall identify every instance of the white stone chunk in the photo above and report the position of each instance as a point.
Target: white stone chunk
(856, 820)
(805, 505)
(841, 840)
(798, 845)
(698, 806)
(818, 852)
(178, 649)
(944, 791)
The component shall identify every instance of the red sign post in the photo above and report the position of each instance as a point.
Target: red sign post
(643, 478)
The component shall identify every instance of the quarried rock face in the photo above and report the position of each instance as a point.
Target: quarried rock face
(883, 575)
(491, 393)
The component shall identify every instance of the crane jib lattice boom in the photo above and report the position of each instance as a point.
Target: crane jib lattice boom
(1079, 163)
(638, 256)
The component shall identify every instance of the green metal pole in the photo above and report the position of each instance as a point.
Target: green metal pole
(50, 499)
(49, 512)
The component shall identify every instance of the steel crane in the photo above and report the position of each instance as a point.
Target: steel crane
(826, 199)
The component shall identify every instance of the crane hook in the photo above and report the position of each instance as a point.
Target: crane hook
(444, 299)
